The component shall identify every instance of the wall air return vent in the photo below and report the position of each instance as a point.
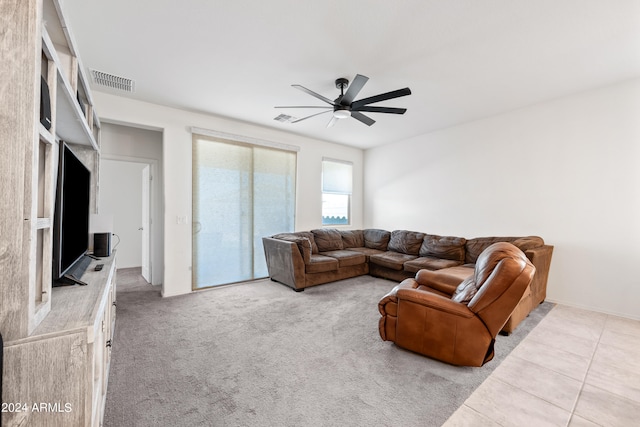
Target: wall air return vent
(284, 118)
(112, 81)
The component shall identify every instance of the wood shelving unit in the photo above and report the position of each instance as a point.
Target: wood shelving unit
(36, 321)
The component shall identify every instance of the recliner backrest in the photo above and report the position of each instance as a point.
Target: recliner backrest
(502, 274)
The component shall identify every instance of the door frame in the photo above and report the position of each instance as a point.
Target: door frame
(153, 164)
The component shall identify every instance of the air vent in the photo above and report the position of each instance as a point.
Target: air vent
(112, 81)
(284, 118)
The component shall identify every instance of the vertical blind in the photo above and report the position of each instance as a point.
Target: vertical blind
(241, 193)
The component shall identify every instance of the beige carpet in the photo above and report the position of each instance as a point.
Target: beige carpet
(260, 354)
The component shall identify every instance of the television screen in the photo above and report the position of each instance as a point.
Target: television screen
(71, 218)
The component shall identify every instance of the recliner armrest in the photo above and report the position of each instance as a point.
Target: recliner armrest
(434, 301)
(391, 295)
(438, 281)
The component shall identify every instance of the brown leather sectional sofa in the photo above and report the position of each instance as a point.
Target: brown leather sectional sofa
(307, 258)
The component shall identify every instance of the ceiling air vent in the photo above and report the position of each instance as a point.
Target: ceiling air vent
(112, 81)
(284, 118)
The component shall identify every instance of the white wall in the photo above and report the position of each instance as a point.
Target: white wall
(130, 143)
(567, 170)
(175, 125)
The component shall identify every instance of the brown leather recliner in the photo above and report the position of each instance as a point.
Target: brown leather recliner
(421, 315)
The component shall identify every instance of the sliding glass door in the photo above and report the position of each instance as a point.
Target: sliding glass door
(241, 193)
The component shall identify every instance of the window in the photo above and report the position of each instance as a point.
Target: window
(336, 192)
(241, 193)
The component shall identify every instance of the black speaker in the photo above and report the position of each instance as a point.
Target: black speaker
(45, 104)
(102, 244)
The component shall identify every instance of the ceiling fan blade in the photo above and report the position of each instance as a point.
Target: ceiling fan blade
(382, 97)
(332, 122)
(361, 117)
(308, 117)
(312, 93)
(305, 106)
(354, 88)
(371, 109)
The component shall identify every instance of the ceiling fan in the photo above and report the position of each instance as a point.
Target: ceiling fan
(345, 106)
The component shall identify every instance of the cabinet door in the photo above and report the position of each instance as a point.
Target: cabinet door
(99, 370)
(50, 377)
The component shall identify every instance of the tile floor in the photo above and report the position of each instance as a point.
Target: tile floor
(577, 368)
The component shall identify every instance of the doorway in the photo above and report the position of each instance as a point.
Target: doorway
(126, 193)
(131, 144)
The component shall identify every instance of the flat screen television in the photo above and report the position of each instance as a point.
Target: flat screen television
(71, 219)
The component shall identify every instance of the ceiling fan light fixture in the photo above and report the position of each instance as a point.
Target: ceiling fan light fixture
(345, 105)
(341, 114)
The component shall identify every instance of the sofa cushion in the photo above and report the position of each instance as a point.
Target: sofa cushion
(367, 252)
(429, 263)
(352, 238)
(445, 247)
(390, 259)
(328, 239)
(320, 264)
(346, 258)
(406, 242)
(376, 239)
(303, 243)
(529, 242)
(312, 240)
(474, 247)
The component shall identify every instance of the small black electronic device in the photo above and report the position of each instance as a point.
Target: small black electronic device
(99, 267)
(102, 244)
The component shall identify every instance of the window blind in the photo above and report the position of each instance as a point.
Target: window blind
(337, 177)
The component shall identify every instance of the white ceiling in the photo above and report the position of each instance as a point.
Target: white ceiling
(462, 59)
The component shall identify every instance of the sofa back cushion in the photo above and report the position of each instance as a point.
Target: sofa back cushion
(405, 242)
(328, 239)
(443, 247)
(529, 242)
(309, 236)
(303, 243)
(352, 238)
(474, 247)
(376, 239)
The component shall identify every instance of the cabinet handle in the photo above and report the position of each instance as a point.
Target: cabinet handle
(109, 343)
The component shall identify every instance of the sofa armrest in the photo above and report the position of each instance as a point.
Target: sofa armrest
(284, 262)
(540, 257)
(433, 301)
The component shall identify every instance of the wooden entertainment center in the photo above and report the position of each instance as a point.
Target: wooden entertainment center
(57, 340)
(58, 375)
